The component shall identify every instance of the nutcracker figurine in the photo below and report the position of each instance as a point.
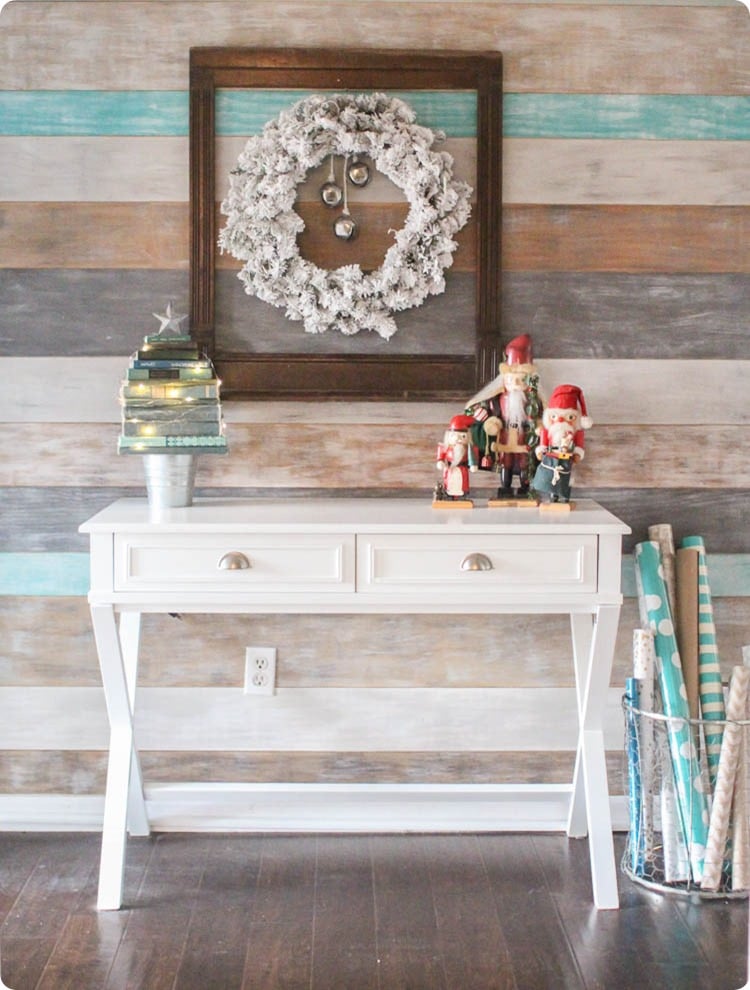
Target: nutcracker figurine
(456, 458)
(509, 410)
(561, 444)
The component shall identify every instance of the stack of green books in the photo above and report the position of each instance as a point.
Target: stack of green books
(170, 400)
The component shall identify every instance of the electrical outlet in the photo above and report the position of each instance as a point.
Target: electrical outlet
(260, 670)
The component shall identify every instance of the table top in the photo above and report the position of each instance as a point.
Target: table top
(342, 515)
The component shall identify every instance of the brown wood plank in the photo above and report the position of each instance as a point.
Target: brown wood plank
(215, 948)
(94, 235)
(84, 772)
(687, 239)
(548, 47)
(523, 901)
(313, 651)
(345, 949)
(474, 956)
(536, 887)
(626, 238)
(86, 452)
(407, 932)
(85, 951)
(280, 929)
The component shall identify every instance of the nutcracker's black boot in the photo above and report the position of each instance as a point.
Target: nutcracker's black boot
(506, 483)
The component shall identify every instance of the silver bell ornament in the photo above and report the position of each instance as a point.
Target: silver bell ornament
(345, 228)
(358, 172)
(331, 192)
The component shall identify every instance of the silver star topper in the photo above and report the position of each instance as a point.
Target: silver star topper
(171, 322)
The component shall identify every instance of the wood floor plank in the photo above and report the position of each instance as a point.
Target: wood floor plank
(407, 931)
(280, 939)
(525, 907)
(344, 943)
(475, 952)
(215, 948)
(392, 912)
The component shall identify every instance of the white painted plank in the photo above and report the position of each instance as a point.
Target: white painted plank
(618, 392)
(548, 170)
(311, 719)
(222, 808)
(535, 170)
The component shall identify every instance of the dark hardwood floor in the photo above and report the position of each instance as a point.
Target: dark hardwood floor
(457, 912)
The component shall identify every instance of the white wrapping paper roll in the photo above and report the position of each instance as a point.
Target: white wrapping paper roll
(731, 746)
(644, 671)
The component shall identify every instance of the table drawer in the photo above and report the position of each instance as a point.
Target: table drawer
(526, 564)
(261, 564)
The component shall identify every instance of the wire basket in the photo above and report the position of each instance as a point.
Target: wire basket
(661, 851)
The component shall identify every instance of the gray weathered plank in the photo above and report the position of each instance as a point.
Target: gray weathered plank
(717, 515)
(569, 314)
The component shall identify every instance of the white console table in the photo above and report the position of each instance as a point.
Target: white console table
(345, 556)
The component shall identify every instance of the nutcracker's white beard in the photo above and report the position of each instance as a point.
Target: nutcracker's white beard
(559, 433)
(457, 453)
(516, 407)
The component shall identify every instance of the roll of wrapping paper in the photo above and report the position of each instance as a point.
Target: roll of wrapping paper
(709, 674)
(662, 534)
(687, 622)
(676, 863)
(636, 845)
(721, 809)
(644, 672)
(741, 803)
(692, 802)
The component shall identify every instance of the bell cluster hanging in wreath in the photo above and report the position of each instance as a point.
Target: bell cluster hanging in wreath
(333, 195)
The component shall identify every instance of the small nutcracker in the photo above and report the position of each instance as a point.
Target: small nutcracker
(509, 410)
(456, 458)
(561, 444)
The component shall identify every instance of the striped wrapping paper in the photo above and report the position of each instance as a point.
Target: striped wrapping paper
(692, 802)
(709, 674)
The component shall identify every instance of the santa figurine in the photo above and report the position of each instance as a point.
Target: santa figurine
(509, 409)
(561, 443)
(456, 458)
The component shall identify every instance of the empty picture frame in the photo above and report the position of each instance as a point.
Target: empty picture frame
(446, 347)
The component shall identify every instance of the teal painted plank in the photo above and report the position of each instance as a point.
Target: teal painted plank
(661, 117)
(44, 574)
(728, 573)
(244, 112)
(94, 113)
(55, 574)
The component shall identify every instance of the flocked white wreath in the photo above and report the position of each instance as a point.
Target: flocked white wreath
(262, 225)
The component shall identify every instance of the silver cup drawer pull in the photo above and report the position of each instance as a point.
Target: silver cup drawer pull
(234, 561)
(476, 562)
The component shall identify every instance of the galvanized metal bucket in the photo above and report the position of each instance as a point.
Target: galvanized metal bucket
(170, 480)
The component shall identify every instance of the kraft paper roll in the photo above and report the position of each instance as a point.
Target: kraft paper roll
(687, 624)
(692, 802)
(721, 808)
(709, 674)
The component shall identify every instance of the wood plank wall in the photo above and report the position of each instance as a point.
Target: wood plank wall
(627, 257)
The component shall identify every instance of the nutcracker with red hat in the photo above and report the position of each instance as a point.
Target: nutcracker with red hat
(509, 409)
(561, 444)
(456, 458)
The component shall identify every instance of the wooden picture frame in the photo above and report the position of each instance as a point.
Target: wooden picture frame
(348, 367)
